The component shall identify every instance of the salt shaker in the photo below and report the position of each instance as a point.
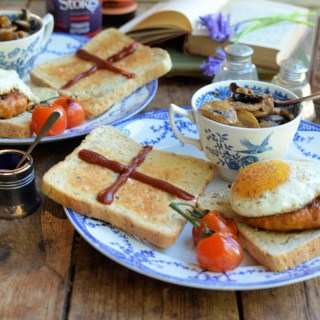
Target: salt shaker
(293, 76)
(237, 64)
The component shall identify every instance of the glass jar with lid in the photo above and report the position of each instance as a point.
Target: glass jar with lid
(237, 64)
(293, 76)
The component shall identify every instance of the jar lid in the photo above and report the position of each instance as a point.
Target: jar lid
(238, 52)
(293, 66)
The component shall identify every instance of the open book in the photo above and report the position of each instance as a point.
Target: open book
(169, 19)
(172, 18)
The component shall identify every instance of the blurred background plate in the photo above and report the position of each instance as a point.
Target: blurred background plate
(61, 44)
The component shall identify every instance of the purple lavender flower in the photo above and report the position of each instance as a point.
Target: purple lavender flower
(219, 26)
(212, 65)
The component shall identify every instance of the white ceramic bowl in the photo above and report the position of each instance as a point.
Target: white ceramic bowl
(232, 148)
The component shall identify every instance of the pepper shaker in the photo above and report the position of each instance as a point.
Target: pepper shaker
(293, 76)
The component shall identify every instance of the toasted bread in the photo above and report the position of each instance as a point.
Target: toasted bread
(45, 94)
(104, 88)
(278, 251)
(137, 208)
(16, 127)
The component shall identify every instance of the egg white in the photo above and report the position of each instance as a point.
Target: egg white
(301, 187)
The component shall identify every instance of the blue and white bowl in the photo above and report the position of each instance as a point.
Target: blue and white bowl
(232, 148)
(20, 54)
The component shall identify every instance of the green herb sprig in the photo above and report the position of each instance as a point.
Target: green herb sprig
(259, 23)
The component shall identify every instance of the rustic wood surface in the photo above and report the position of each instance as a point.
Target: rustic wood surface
(47, 271)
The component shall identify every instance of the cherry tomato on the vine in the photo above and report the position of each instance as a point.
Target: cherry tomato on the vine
(41, 113)
(217, 246)
(214, 222)
(74, 110)
(219, 252)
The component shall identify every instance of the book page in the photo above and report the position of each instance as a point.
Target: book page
(275, 36)
(174, 14)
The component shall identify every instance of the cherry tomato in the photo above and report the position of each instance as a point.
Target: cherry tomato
(231, 225)
(214, 222)
(41, 113)
(219, 252)
(74, 109)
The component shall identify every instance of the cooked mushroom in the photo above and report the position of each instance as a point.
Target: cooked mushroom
(246, 109)
(25, 14)
(22, 25)
(220, 111)
(247, 119)
(18, 28)
(267, 124)
(5, 22)
(22, 34)
(7, 34)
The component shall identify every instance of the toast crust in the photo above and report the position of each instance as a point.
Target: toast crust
(16, 127)
(137, 208)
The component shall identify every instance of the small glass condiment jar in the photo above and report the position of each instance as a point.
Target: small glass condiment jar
(18, 194)
(293, 76)
(237, 64)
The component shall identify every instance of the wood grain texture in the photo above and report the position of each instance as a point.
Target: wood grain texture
(102, 287)
(47, 271)
(35, 253)
(288, 302)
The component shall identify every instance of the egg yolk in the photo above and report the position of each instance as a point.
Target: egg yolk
(259, 177)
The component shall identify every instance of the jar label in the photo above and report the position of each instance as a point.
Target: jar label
(76, 16)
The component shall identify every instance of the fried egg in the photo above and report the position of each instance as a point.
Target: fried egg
(274, 186)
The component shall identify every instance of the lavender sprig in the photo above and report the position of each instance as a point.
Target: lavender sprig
(218, 26)
(220, 29)
(212, 65)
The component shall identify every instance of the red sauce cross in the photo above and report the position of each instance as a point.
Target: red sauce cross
(103, 64)
(129, 171)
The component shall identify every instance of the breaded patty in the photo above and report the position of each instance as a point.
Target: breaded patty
(305, 218)
(12, 104)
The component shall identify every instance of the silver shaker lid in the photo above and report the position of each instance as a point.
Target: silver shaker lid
(293, 69)
(238, 52)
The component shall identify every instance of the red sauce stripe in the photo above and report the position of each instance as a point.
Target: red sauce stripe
(103, 64)
(96, 158)
(106, 196)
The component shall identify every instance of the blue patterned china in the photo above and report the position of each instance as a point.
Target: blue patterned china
(20, 54)
(61, 44)
(230, 147)
(177, 264)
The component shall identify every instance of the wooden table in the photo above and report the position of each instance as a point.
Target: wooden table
(47, 271)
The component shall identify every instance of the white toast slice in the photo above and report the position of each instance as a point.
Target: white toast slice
(137, 208)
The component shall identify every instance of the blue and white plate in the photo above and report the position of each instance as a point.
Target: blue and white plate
(177, 264)
(61, 44)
